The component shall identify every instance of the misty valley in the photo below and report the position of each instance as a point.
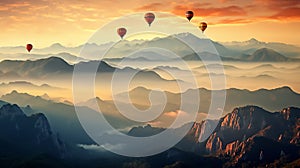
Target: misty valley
(256, 122)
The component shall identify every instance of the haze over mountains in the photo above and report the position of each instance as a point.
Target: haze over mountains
(259, 124)
(251, 45)
(259, 55)
(58, 73)
(236, 50)
(272, 99)
(247, 134)
(57, 112)
(51, 65)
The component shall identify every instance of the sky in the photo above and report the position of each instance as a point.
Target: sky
(73, 22)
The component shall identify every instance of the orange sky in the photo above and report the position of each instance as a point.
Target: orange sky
(72, 22)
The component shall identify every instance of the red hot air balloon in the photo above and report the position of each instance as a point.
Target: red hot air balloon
(202, 26)
(29, 47)
(121, 31)
(189, 15)
(149, 17)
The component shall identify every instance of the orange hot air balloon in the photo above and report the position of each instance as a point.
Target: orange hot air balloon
(149, 17)
(121, 31)
(202, 26)
(29, 47)
(189, 15)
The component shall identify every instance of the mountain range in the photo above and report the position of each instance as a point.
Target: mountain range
(70, 58)
(55, 67)
(62, 117)
(259, 55)
(25, 84)
(94, 51)
(261, 67)
(39, 68)
(250, 46)
(272, 99)
(22, 135)
(248, 136)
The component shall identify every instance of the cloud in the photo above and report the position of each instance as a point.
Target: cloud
(276, 5)
(156, 123)
(92, 147)
(233, 21)
(102, 148)
(83, 17)
(113, 146)
(171, 114)
(151, 7)
(232, 10)
(287, 14)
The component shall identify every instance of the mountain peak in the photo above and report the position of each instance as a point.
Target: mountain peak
(267, 55)
(54, 64)
(32, 134)
(186, 35)
(13, 92)
(290, 113)
(246, 110)
(266, 50)
(57, 45)
(11, 110)
(54, 58)
(253, 40)
(140, 88)
(286, 89)
(244, 118)
(45, 96)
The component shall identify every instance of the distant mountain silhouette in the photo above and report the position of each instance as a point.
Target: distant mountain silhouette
(272, 99)
(145, 55)
(260, 55)
(266, 55)
(250, 46)
(207, 57)
(217, 66)
(25, 84)
(38, 68)
(70, 58)
(265, 67)
(225, 49)
(55, 67)
(47, 66)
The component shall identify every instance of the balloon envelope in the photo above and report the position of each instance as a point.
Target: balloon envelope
(121, 31)
(189, 15)
(29, 47)
(202, 26)
(149, 17)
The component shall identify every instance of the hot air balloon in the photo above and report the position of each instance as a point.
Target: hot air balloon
(149, 17)
(121, 31)
(189, 15)
(29, 47)
(202, 26)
